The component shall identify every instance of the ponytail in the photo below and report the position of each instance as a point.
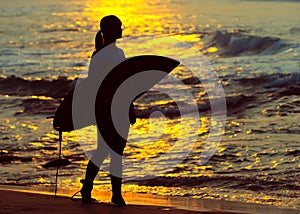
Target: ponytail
(99, 40)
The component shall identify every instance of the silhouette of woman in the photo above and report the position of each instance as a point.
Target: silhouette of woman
(105, 47)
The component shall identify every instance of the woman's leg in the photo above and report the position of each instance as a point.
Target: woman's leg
(116, 169)
(87, 183)
(100, 154)
(116, 179)
(92, 170)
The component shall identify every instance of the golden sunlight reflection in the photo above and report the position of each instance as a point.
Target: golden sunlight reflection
(86, 137)
(188, 38)
(139, 17)
(134, 13)
(156, 133)
(212, 49)
(155, 138)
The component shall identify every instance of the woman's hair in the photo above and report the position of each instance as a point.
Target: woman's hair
(99, 40)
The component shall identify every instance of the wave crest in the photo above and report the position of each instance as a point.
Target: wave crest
(18, 86)
(237, 43)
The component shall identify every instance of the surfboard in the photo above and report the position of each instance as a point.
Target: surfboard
(62, 120)
(132, 66)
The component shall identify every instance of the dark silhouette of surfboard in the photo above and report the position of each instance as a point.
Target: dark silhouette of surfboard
(118, 75)
(63, 116)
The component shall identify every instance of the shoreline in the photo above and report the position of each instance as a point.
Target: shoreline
(19, 199)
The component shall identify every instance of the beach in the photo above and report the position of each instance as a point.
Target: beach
(20, 201)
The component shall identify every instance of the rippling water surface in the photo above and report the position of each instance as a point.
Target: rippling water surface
(254, 49)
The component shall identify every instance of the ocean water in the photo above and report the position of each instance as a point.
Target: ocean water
(253, 48)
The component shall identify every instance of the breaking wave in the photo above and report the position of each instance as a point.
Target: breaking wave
(18, 86)
(237, 43)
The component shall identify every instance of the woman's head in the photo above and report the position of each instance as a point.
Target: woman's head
(110, 27)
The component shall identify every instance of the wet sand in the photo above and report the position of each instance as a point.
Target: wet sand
(24, 202)
(17, 201)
